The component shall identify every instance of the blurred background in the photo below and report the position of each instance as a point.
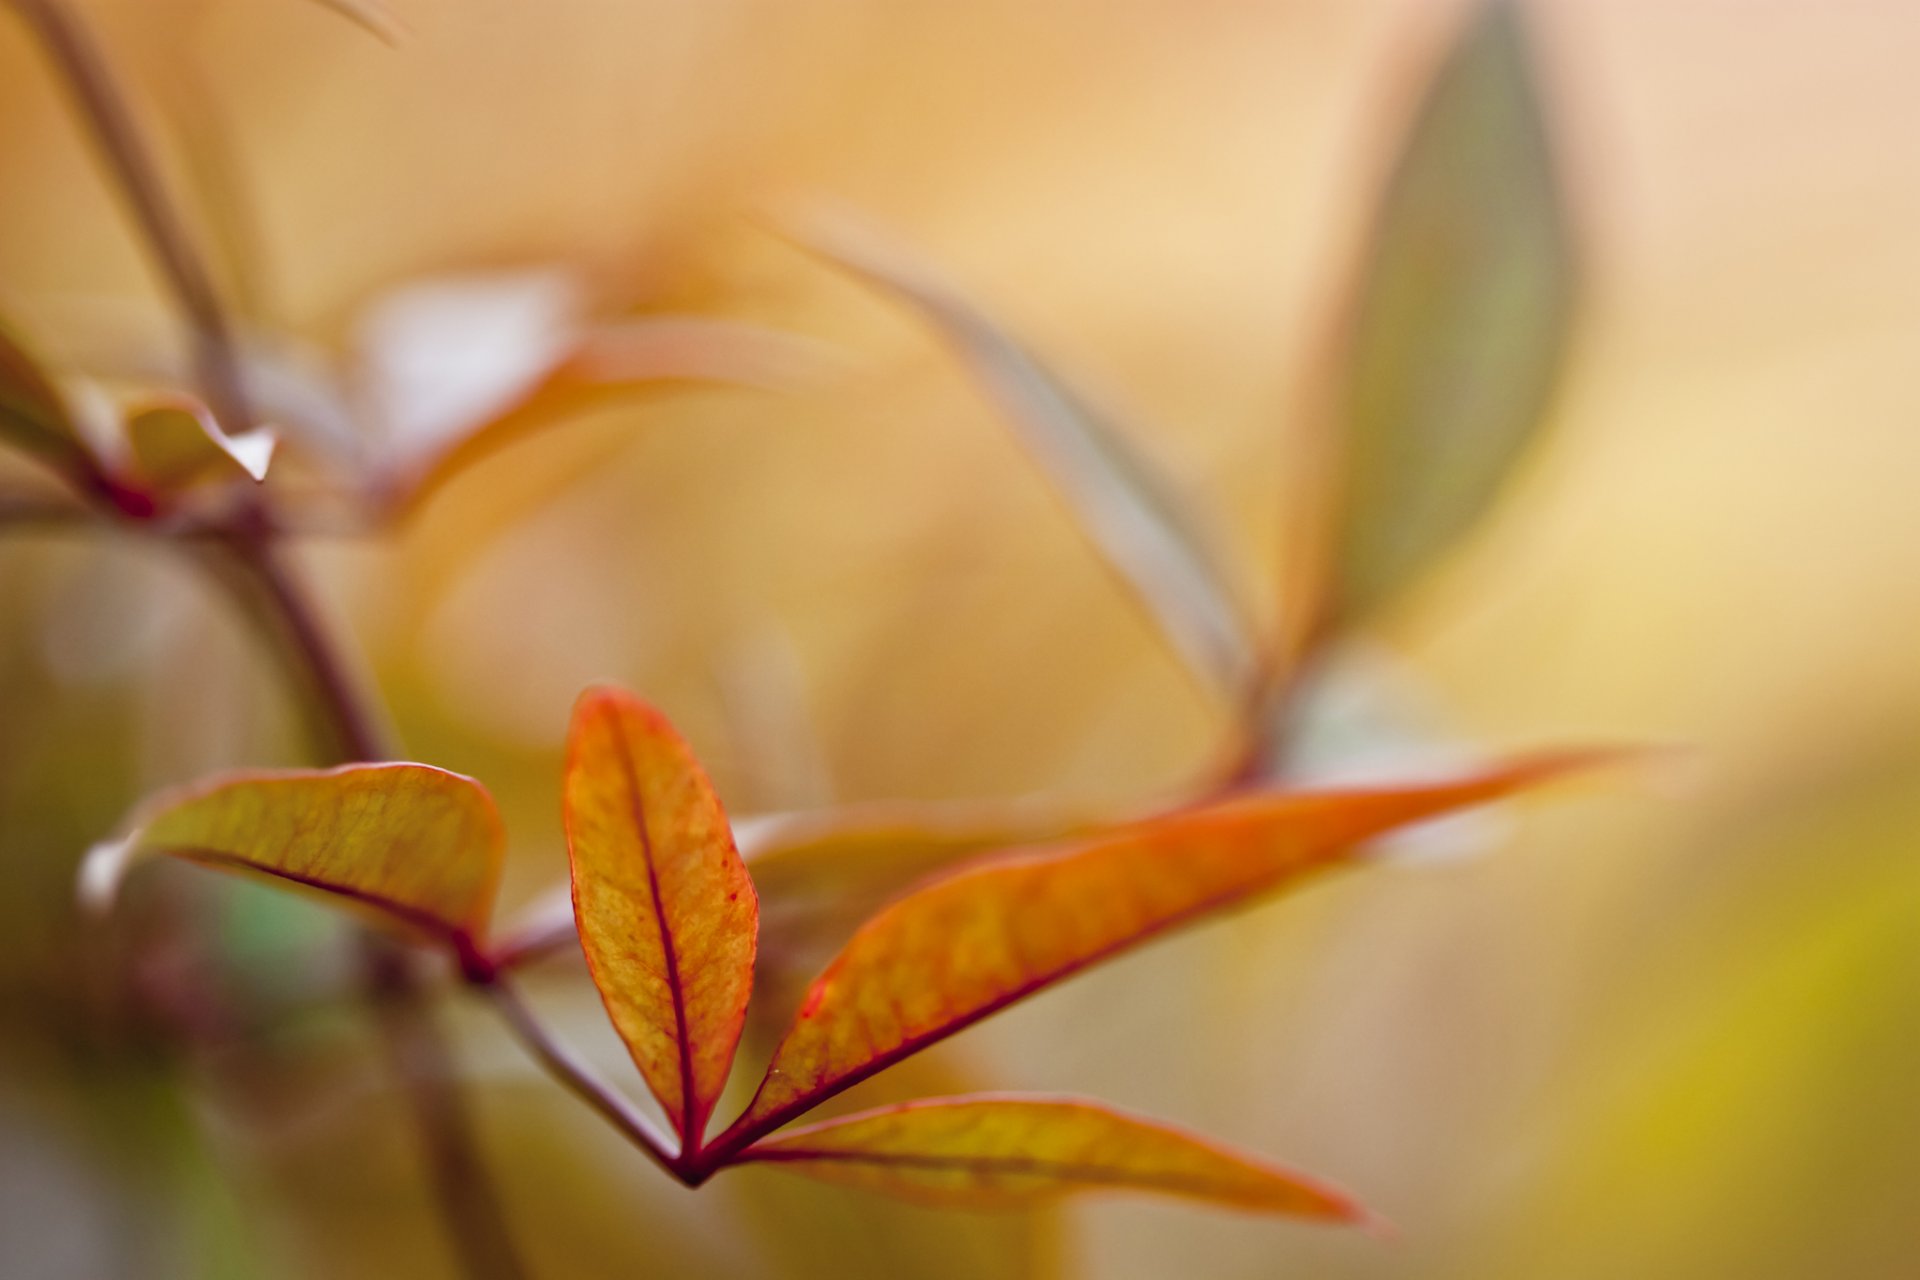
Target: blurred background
(1668, 1025)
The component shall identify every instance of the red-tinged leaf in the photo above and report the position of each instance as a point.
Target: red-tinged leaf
(1128, 507)
(177, 442)
(407, 844)
(666, 912)
(820, 876)
(974, 942)
(996, 1151)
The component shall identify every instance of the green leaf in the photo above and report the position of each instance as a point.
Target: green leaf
(1124, 503)
(1461, 321)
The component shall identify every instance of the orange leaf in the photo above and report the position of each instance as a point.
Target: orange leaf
(976, 941)
(994, 1151)
(821, 876)
(667, 914)
(405, 843)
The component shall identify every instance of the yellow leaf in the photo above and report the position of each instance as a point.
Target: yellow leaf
(407, 844)
(994, 1151)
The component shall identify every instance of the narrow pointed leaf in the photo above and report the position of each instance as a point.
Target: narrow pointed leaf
(974, 942)
(1125, 504)
(177, 442)
(408, 844)
(666, 912)
(996, 1151)
(1461, 318)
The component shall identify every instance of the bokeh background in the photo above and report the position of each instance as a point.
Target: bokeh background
(1668, 1027)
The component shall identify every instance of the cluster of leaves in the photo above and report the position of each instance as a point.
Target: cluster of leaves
(1455, 325)
(669, 920)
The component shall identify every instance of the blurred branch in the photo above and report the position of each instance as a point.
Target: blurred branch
(105, 111)
(469, 1204)
(24, 511)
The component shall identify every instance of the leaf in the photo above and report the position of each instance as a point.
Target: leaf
(177, 442)
(666, 911)
(407, 844)
(998, 1151)
(33, 415)
(1124, 503)
(1461, 319)
(457, 366)
(622, 359)
(986, 936)
(820, 876)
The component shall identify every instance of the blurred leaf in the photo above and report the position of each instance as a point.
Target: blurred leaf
(32, 414)
(667, 913)
(1360, 716)
(620, 359)
(996, 1151)
(456, 367)
(1461, 321)
(176, 442)
(986, 936)
(439, 355)
(1143, 527)
(406, 844)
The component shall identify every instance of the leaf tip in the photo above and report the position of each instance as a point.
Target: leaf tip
(253, 451)
(101, 872)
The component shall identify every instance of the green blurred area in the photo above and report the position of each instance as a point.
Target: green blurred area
(1669, 1028)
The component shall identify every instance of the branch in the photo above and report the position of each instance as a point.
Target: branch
(103, 108)
(469, 1204)
(577, 1076)
(23, 511)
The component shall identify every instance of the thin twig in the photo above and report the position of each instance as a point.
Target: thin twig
(561, 1063)
(104, 109)
(419, 1057)
(469, 1204)
(338, 699)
